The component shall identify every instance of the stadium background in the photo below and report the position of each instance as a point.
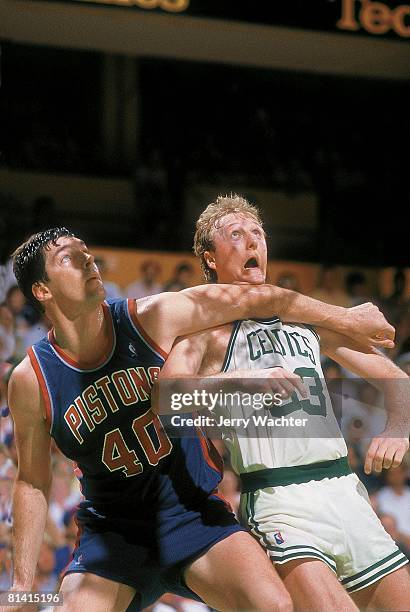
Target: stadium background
(122, 119)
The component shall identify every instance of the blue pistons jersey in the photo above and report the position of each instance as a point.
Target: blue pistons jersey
(101, 419)
(150, 500)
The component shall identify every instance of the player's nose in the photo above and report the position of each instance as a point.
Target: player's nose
(89, 260)
(251, 241)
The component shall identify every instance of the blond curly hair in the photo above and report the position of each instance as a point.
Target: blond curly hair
(208, 223)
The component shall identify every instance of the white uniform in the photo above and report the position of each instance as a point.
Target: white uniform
(299, 496)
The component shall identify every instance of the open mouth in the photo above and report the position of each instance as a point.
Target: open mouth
(251, 263)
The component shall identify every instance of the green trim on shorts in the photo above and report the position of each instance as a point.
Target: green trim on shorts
(297, 551)
(302, 554)
(297, 474)
(392, 562)
(285, 548)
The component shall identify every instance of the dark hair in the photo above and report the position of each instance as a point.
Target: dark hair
(29, 261)
(183, 267)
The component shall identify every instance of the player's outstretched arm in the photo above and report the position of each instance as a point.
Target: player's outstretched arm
(32, 484)
(388, 449)
(169, 315)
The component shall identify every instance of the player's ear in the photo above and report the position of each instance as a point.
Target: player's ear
(41, 292)
(210, 260)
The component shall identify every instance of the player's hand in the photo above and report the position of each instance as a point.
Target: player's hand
(367, 325)
(275, 379)
(385, 452)
(286, 382)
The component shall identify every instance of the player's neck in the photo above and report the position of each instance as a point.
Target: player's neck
(85, 338)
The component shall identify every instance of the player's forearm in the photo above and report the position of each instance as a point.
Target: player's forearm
(292, 306)
(267, 300)
(29, 519)
(397, 405)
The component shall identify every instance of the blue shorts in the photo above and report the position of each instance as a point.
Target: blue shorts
(149, 553)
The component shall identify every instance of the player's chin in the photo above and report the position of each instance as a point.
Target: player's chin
(97, 293)
(255, 276)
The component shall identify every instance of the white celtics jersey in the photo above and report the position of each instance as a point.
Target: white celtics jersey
(268, 442)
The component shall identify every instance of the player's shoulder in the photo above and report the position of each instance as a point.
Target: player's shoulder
(23, 382)
(23, 371)
(199, 339)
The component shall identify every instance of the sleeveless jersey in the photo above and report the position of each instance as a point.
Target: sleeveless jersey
(101, 419)
(295, 347)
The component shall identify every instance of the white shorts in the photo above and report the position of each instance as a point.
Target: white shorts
(330, 520)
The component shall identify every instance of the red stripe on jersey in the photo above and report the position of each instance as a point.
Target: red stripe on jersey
(132, 309)
(43, 386)
(210, 453)
(78, 473)
(76, 545)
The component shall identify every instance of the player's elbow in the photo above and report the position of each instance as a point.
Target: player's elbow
(37, 487)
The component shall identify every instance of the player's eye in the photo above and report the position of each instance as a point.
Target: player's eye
(65, 258)
(235, 234)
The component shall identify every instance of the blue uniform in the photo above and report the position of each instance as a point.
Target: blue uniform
(151, 503)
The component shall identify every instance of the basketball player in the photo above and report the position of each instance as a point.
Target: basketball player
(299, 497)
(151, 520)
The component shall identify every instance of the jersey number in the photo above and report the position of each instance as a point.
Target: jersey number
(315, 390)
(117, 456)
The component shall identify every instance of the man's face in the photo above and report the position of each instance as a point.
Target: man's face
(74, 278)
(239, 254)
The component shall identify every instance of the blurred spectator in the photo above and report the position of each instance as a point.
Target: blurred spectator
(333, 378)
(65, 492)
(27, 325)
(328, 289)
(331, 370)
(15, 302)
(182, 278)
(403, 361)
(402, 338)
(7, 467)
(112, 290)
(287, 280)
(63, 546)
(366, 411)
(398, 295)
(363, 418)
(147, 285)
(37, 326)
(390, 524)
(394, 499)
(356, 455)
(6, 422)
(46, 578)
(5, 368)
(397, 299)
(356, 288)
(5, 566)
(7, 475)
(7, 279)
(7, 334)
